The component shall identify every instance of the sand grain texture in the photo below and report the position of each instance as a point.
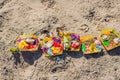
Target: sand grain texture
(85, 17)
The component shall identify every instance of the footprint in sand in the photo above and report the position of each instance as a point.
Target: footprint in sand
(84, 27)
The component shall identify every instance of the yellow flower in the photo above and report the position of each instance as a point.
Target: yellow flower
(47, 39)
(22, 44)
(93, 48)
(55, 50)
(107, 32)
(34, 36)
(61, 32)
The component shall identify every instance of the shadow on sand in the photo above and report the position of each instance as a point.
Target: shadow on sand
(94, 55)
(17, 58)
(28, 56)
(79, 54)
(74, 54)
(114, 52)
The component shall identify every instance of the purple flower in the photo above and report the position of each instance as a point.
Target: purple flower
(36, 40)
(19, 40)
(74, 36)
(44, 49)
(56, 40)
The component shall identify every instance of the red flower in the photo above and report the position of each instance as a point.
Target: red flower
(56, 44)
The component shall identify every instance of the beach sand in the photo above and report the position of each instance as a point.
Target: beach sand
(84, 17)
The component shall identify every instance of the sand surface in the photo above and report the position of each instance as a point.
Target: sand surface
(84, 17)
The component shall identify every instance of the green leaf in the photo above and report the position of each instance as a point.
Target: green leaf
(83, 47)
(14, 50)
(106, 43)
